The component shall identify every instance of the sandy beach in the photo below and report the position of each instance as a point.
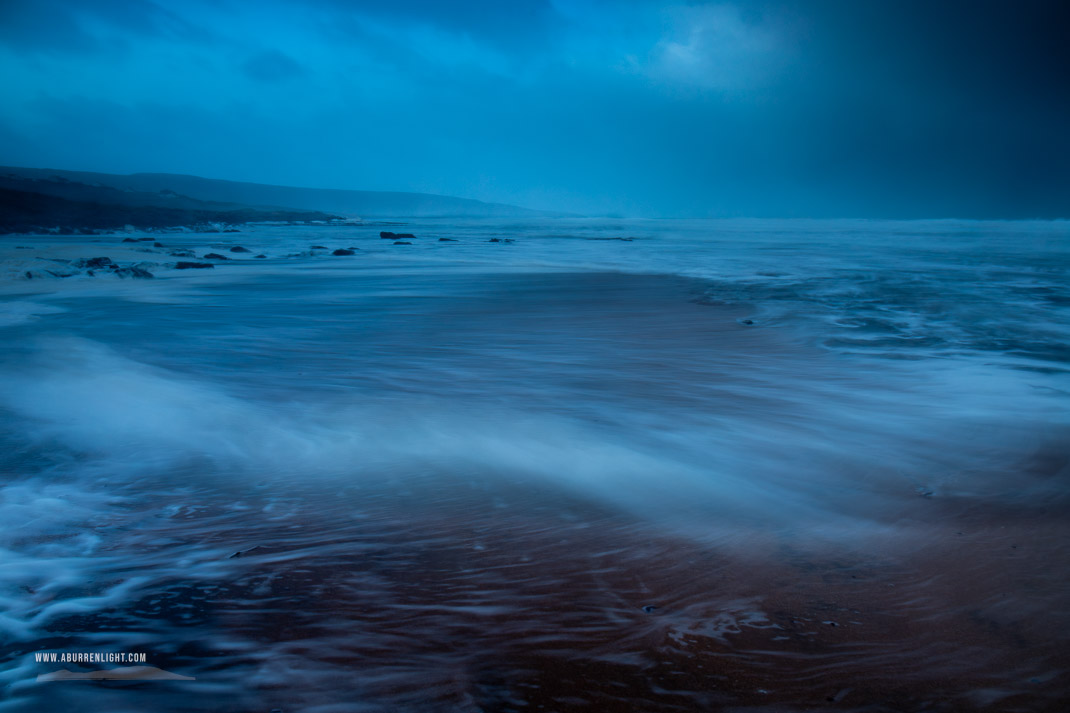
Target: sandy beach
(416, 479)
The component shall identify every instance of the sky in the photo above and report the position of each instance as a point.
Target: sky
(785, 108)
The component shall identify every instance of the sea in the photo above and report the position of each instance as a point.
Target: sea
(544, 465)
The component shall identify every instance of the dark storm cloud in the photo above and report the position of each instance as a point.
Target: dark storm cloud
(769, 107)
(66, 25)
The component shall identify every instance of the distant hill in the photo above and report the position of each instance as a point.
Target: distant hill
(366, 204)
(32, 212)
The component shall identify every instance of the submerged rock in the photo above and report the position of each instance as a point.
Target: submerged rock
(387, 235)
(158, 245)
(182, 253)
(215, 256)
(260, 256)
(129, 240)
(192, 265)
(92, 262)
(320, 247)
(402, 242)
(240, 249)
(343, 251)
(135, 272)
(446, 240)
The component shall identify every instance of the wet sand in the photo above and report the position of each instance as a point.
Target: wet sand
(326, 487)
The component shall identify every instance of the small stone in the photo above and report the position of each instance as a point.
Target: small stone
(343, 251)
(240, 249)
(260, 256)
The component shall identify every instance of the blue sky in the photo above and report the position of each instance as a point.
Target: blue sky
(912, 109)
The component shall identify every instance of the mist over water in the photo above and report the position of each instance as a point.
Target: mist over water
(467, 466)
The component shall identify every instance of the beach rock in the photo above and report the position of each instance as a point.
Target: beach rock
(182, 253)
(92, 262)
(494, 240)
(343, 251)
(401, 242)
(747, 322)
(650, 608)
(215, 256)
(146, 240)
(260, 256)
(135, 272)
(320, 247)
(240, 249)
(129, 240)
(387, 235)
(231, 230)
(158, 245)
(192, 265)
(446, 240)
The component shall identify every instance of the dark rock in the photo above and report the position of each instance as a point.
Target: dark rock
(158, 245)
(320, 247)
(494, 240)
(650, 608)
(402, 242)
(231, 230)
(240, 249)
(145, 240)
(446, 240)
(260, 256)
(404, 235)
(387, 235)
(92, 262)
(748, 322)
(129, 240)
(215, 256)
(137, 272)
(182, 253)
(343, 251)
(192, 265)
